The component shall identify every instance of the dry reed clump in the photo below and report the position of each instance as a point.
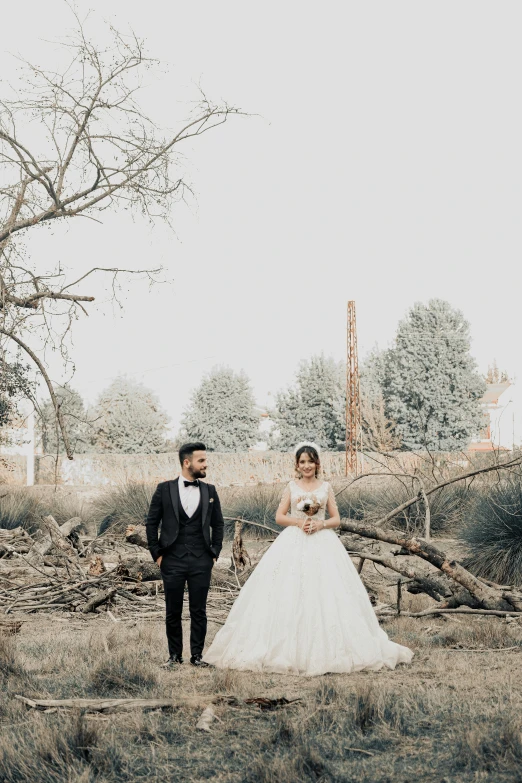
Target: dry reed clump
(225, 681)
(492, 745)
(122, 505)
(24, 507)
(19, 507)
(121, 675)
(257, 503)
(13, 674)
(378, 497)
(493, 532)
(480, 633)
(53, 749)
(8, 659)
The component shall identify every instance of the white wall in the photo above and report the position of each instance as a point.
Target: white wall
(506, 418)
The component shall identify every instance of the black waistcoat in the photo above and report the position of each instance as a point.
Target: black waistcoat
(190, 537)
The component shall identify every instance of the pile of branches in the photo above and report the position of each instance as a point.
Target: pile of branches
(55, 570)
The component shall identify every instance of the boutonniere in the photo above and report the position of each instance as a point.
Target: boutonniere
(211, 500)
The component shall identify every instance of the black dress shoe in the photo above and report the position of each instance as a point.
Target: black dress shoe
(174, 660)
(197, 660)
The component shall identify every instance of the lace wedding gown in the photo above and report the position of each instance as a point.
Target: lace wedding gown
(304, 610)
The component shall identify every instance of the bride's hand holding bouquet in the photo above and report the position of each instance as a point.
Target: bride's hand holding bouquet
(310, 505)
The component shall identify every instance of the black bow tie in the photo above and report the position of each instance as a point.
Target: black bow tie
(191, 483)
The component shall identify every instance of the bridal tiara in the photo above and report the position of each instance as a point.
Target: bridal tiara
(307, 443)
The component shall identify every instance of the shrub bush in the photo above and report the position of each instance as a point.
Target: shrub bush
(493, 533)
(257, 503)
(127, 504)
(447, 506)
(24, 507)
(19, 507)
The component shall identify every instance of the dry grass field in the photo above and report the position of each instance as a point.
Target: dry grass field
(454, 715)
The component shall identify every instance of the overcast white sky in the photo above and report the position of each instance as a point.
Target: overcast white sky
(385, 167)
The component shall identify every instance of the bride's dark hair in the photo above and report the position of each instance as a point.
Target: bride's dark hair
(312, 453)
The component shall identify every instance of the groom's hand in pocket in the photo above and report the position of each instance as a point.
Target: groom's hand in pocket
(158, 561)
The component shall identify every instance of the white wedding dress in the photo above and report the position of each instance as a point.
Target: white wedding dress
(304, 609)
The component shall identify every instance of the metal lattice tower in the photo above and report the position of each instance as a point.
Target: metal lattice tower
(353, 403)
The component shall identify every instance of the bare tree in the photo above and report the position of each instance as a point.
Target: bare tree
(379, 432)
(72, 144)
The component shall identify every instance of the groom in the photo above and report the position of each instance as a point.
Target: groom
(187, 547)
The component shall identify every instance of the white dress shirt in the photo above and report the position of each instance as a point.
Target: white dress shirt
(189, 496)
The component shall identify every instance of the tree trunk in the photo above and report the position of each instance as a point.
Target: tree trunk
(487, 597)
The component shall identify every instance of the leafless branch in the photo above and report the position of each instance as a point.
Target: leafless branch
(94, 149)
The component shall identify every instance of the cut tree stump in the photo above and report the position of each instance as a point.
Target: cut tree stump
(141, 572)
(240, 557)
(97, 566)
(136, 534)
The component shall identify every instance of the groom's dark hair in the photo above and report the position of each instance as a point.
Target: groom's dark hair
(188, 449)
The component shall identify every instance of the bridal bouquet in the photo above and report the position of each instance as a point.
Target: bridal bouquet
(309, 504)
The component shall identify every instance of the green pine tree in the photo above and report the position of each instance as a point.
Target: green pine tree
(222, 412)
(314, 408)
(75, 419)
(128, 419)
(431, 387)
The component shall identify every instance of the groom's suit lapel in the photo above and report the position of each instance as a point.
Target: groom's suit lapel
(174, 496)
(203, 488)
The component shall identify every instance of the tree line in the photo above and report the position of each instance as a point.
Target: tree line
(423, 392)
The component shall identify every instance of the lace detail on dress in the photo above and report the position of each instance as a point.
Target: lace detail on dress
(331, 498)
(285, 497)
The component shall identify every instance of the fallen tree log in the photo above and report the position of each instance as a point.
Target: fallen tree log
(437, 586)
(432, 586)
(70, 526)
(486, 596)
(447, 610)
(99, 598)
(124, 705)
(116, 705)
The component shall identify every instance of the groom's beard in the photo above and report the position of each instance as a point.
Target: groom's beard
(197, 474)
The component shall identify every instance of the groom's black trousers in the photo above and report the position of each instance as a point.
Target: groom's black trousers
(194, 572)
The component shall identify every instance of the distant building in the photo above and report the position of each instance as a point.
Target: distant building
(265, 425)
(502, 408)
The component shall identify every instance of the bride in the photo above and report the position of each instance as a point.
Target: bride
(304, 610)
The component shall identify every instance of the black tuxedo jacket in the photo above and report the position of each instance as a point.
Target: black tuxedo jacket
(164, 508)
